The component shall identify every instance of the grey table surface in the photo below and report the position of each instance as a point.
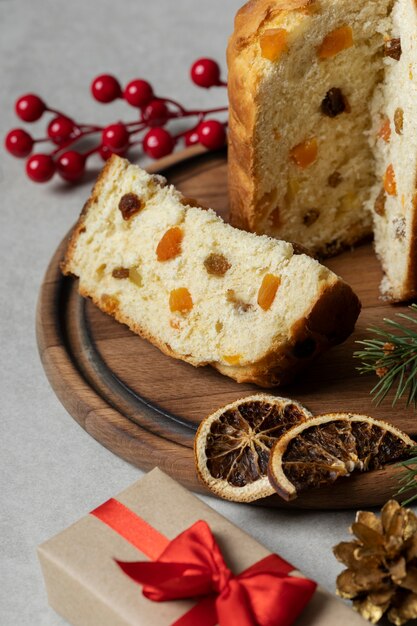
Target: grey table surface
(52, 472)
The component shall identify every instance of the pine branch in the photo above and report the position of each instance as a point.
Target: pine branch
(408, 478)
(392, 355)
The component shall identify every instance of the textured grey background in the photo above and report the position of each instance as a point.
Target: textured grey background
(52, 471)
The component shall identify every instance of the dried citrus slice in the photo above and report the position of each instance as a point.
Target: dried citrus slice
(232, 445)
(327, 447)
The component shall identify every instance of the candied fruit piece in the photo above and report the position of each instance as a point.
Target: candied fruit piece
(335, 179)
(385, 130)
(129, 205)
(216, 264)
(274, 42)
(180, 300)
(399, 121)
(135, 276)
(392, 49)
(120, 272)
(379, 206)
(170, 245)
(233, 359)
(268, 291)
(311, 217)
(334, 103)
(390, 184)
(305, 153)
(339, 39)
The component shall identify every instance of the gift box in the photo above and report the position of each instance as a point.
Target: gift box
(92, 576)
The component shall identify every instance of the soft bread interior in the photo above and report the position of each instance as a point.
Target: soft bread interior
(321, 206)
(394, 104)
(225, 325)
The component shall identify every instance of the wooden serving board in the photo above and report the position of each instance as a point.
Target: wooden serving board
(145, 406)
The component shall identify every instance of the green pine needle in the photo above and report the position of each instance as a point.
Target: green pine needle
(408, 478)
(392, 355)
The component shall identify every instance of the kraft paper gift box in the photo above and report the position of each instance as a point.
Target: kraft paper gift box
(87, 587)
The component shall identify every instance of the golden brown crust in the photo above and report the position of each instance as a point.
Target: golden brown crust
(242, 107)
(79, 226)
(330, 321)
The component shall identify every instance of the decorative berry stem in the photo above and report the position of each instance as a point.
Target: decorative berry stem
(149, 130)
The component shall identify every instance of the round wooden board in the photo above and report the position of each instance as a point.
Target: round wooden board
(145, 406)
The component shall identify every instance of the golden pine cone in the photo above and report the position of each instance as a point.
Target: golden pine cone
(381, 574)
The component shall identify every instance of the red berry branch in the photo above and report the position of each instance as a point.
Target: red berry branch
(149, 130)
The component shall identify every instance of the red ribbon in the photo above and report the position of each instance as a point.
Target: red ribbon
(192, 566)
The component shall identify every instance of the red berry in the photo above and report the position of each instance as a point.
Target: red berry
(19, 143)
(116, 137)
(60, 129)
(212, 134)
(30, 107)
(158, 142)
(138, 93)
(191, 137)
(205, 73)
(40, 168)
(156, 113)
(106, 88)
(71, 165)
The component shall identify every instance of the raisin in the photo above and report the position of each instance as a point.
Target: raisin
(216, 264)
(129, 205)
(310, 217)
(335, 179)
(379, 206)
(392, 49)
(120, 272)
(399, 121)
(333, 103)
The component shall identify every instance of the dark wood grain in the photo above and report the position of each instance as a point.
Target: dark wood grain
(145, 406)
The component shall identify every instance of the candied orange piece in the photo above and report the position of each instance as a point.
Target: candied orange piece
(233, 359)
(385, 130)
(170, 244)
(339, 39)
(274, 42)
(268, 291)
(390, 184)
(180, 300)
(305, 153)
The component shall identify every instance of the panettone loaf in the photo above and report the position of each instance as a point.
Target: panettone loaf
(197, 288)
(311, 85)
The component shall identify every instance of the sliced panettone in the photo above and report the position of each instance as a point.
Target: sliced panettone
(199, 289)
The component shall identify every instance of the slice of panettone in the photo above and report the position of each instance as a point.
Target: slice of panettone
(199, 289)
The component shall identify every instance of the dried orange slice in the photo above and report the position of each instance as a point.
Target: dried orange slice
(232, 445)
(327, 447)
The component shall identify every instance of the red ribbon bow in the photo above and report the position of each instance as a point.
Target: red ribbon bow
(193, 566)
